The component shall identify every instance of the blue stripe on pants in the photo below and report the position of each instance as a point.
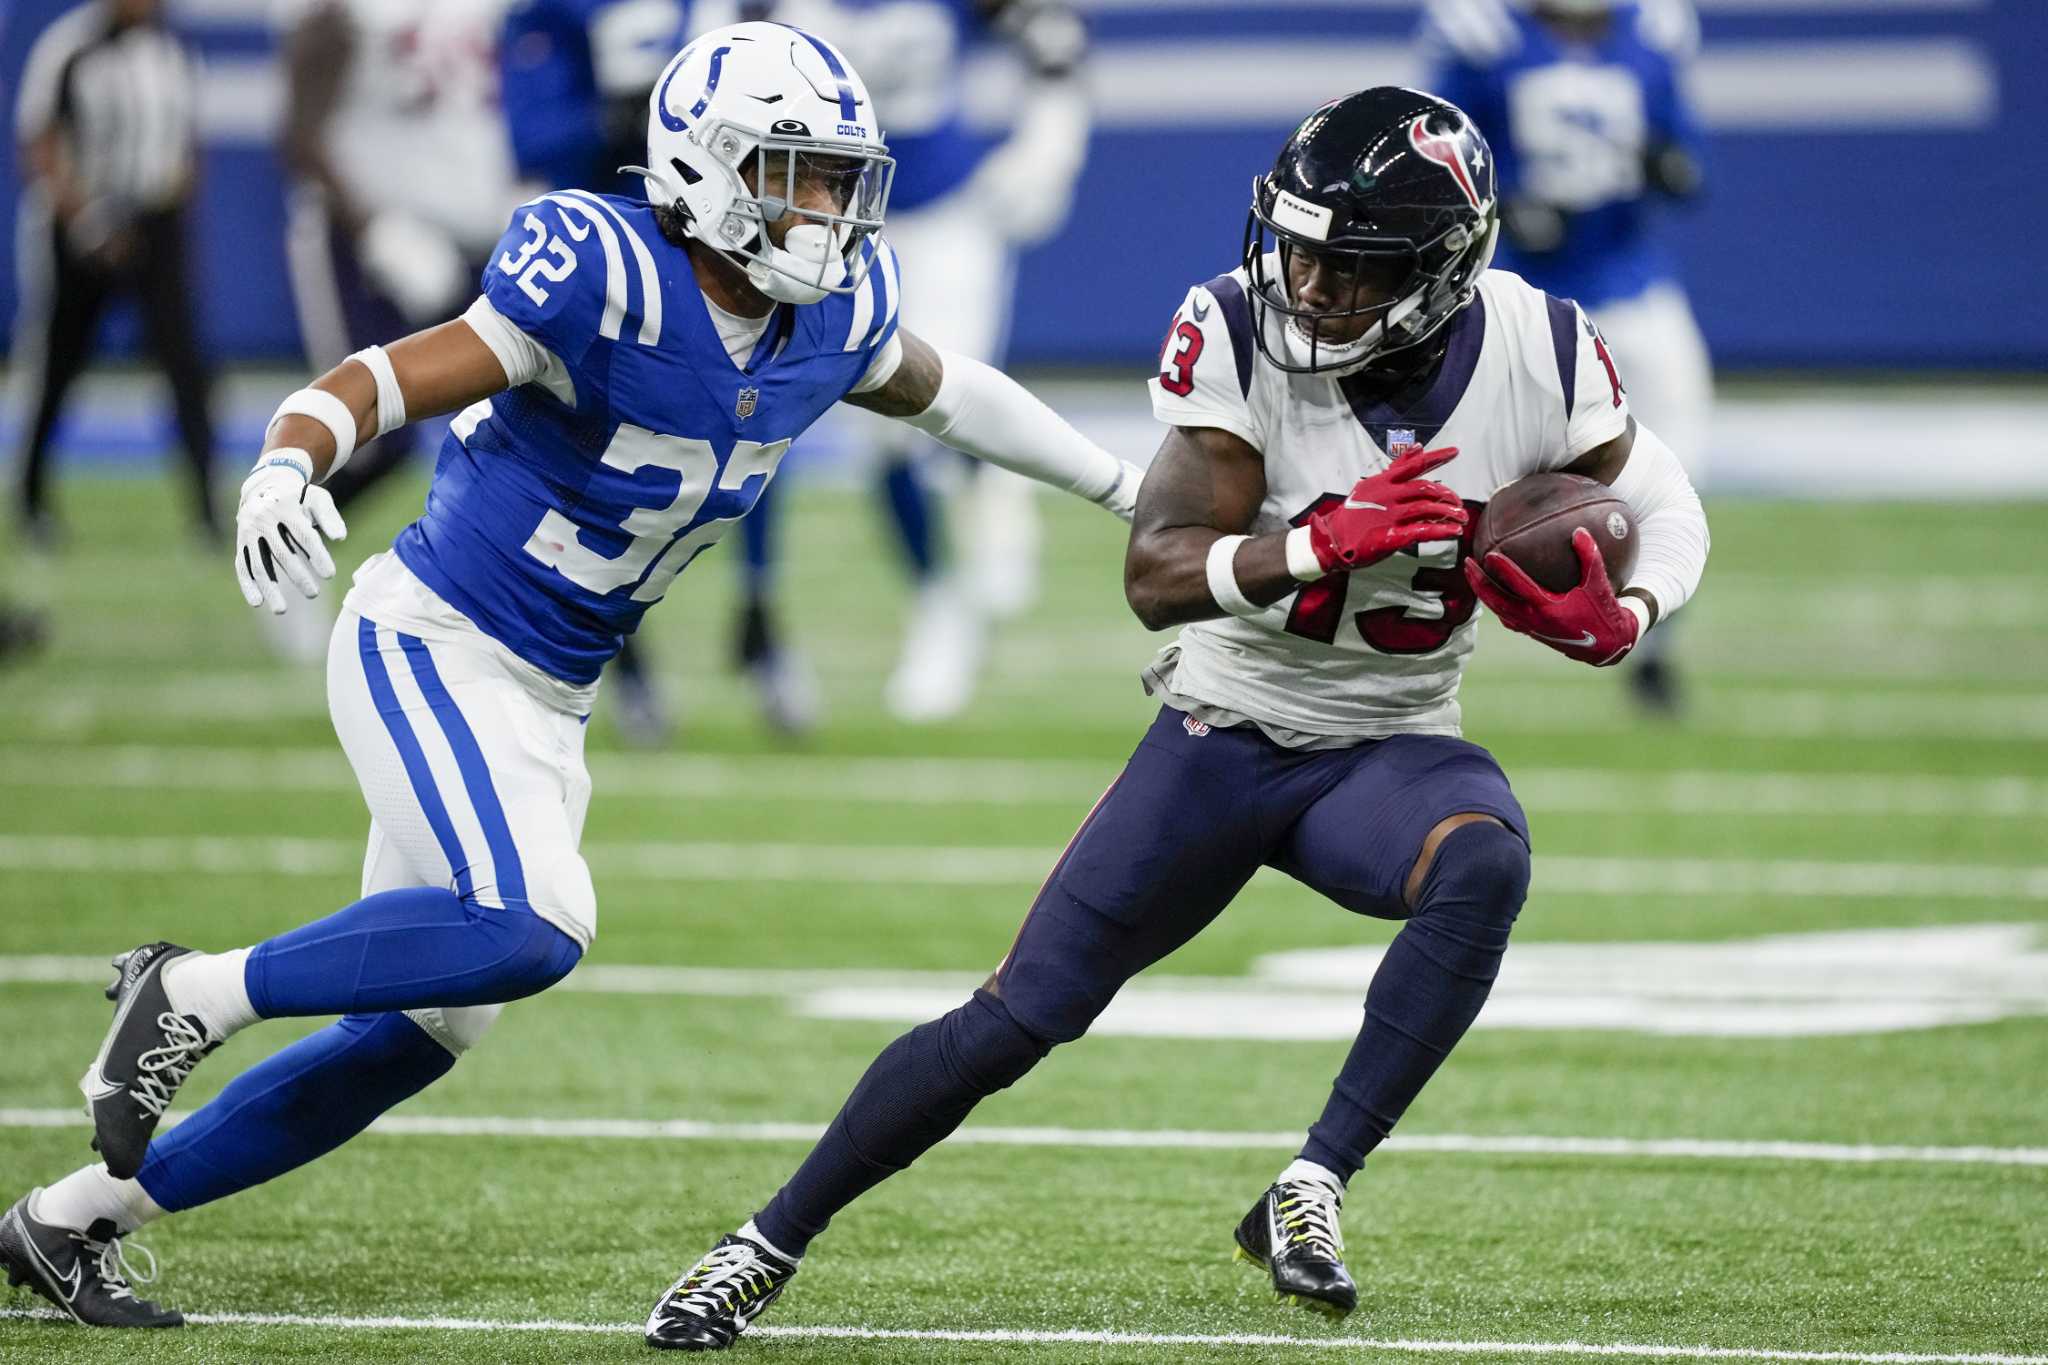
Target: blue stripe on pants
(414, 758)
(476, 774)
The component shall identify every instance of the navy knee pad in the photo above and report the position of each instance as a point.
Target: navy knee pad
(1481, 871)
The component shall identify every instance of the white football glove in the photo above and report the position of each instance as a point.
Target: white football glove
(278, 529)
(1122, 498)
(415, 264)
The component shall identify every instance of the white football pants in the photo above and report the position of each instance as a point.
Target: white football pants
(470, 760)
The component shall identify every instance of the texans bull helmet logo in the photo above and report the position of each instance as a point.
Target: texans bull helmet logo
(1463, 162)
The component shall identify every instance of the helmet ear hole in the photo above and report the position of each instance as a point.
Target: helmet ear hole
(689, 174)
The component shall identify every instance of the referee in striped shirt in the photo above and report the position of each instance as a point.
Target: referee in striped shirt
(105, 121)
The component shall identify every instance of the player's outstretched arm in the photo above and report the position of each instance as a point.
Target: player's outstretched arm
(1190, 559)
(284, 512)
(980, 411)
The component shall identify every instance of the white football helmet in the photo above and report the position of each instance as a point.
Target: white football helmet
(787, 102)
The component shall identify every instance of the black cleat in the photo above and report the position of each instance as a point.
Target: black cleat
(83, 1273)
(715, 1299)
(1292, 1231)
(148, 1053)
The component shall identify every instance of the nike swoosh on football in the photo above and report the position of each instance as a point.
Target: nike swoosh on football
(1581, 642)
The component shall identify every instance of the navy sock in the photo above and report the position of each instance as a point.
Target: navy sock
(1427, 991)
(409, 949)
(292, 1107)
(910, 511)
(918, 1091)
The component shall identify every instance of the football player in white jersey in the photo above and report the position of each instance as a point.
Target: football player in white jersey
(628, 380)
(400, 180)
(1338, 407)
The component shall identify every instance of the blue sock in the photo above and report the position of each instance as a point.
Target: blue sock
(410, 949)
(910, 511)
(293, 1107)
(1427, 991)
(757, 543)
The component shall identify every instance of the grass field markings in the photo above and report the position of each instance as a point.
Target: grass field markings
(997, 1336)
(1506, 705)
(1011, 865)
(1775, 985)
(1175, 1139)
(1087, 1337)
(1026, 781)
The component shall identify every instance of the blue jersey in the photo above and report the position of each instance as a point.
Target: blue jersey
(911, 55)
(574, 76)
(553, 524)
(1572, 126)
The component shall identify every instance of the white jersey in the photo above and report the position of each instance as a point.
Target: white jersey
(1526, 384)
(418, 127)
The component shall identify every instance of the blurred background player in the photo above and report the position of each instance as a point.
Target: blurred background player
(1584, 103)
(574, 78)
(400, 183)
(105, 123)
(964, 203)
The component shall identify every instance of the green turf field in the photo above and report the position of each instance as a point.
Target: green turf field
(1867, 752)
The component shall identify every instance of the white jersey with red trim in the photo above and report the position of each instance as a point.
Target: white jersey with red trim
(1526, 384)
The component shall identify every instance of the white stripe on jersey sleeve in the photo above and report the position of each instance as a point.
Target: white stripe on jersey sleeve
(608, 326)
(469, 419)
(650, 278)
(863, 312)
(35, 107)
(892, 279)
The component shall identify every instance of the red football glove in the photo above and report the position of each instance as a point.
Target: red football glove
(1589, 623)
(1388, 511)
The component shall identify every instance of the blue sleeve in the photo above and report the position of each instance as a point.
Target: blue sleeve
(550, 277)
(549, 91)
(1481, 94)
(1671, 115)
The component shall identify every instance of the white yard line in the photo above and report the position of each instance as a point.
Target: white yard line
(1005, 865)
(1544, 701)
(1075, 1337)
(1024, 781)
(1176, 1139)
(1344, 1345)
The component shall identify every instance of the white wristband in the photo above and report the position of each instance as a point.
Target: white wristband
(1641, 611)
(1301, 557)
(330, 412)
(390, 398)
(1222, 567)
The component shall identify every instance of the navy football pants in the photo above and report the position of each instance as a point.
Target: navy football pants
(1194, 814)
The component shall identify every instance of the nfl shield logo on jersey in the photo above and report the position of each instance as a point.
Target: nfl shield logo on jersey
(743, 406)
(1401, 441)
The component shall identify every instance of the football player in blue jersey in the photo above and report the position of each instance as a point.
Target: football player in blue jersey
(965, 201)
(1584, 103)
(573, 78)
(627, 384)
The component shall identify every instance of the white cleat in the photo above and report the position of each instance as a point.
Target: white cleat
(1007, 536)
(942, 652)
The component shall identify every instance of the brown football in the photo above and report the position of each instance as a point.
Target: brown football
(1531, 522)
